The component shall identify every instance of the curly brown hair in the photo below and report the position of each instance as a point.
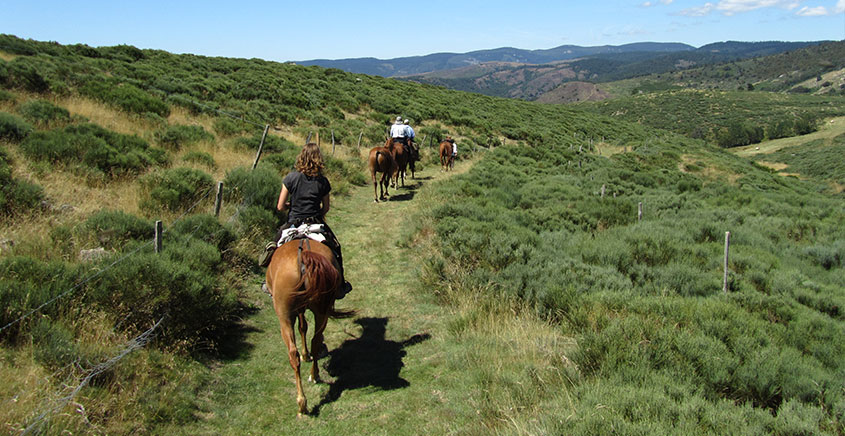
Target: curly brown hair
(310, 160)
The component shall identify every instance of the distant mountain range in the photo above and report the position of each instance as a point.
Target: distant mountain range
(529, 74)
(413, 65)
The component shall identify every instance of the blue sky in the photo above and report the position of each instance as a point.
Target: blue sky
(300, 30)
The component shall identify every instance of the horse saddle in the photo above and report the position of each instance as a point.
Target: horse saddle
(309, 231)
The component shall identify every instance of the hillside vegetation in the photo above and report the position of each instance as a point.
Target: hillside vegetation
(727, 118)
(560, 312)
(539, 81)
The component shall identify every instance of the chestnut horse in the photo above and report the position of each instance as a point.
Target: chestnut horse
(381, 161)
(303, 275)
(446, 158)
(397, 150)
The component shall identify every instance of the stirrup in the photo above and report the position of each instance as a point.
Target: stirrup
(267, 255)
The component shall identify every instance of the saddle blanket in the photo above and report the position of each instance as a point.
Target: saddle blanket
(310, 231)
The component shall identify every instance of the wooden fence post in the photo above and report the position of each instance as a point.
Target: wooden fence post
(308, 139)
(218, 202)
(640, 211)
(602, 191)
(359, 139)
(260, 146)
(332, 142)
(158, 232)
(727, 249)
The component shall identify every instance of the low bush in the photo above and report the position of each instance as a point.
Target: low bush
(13, 128)
(113, 229)
(16, 196)
(259, 187)
(176, 136)
(112, 154)
(26, 284)
(125, 96)
(43, 113)
(174, 189)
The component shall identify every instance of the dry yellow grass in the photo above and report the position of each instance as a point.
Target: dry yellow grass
(7, 56)
(106, 116)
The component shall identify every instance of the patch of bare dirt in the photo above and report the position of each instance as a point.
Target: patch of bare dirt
(572, 92)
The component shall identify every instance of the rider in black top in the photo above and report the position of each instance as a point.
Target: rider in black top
(308, 191)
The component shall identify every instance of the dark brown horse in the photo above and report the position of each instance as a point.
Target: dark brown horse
(446, 158)
(381, 161)
(413, 159)
(400, 155)
(303, 275)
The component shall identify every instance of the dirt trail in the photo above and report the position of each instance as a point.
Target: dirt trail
(384, 362)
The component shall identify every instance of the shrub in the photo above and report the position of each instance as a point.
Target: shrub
(114, 229)
(176, 136)
(259, 187)
(43, 112)
(128, 97)
(174, 189)
(111, 153)
(16, 195)
(207, 228)
(25, 284)
(150, 286)
(13, 128)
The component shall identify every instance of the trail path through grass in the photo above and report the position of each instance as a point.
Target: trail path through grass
(387, 372)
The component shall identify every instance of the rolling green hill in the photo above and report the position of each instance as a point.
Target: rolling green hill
(522, 294)
(727, 118)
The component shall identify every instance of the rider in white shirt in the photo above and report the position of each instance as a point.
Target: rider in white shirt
(398, 131)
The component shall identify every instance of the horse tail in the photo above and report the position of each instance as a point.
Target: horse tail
(320, 278)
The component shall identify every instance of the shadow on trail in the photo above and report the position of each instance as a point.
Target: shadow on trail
(231, 338)
(370, 360)
(408, 192)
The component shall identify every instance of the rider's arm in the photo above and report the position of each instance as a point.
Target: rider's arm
(326, 205)
(283, 198)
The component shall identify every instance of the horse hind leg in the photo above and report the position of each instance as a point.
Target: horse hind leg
(320, 321)
(303, 329)
(293, 356)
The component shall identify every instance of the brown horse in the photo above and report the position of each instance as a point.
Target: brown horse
(303, 275)
(397, 150)
(446, 158)
(381, 161)
(413, 159)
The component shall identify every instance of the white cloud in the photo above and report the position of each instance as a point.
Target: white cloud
(818, 11)
(649, 4)
(732, 7)
(840, 7)
(698, 11)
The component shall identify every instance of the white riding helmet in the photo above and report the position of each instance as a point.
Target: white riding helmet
(406, 121)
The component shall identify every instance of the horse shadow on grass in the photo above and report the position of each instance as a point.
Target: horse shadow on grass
(408, 192)
(370, 360)
(230, 339)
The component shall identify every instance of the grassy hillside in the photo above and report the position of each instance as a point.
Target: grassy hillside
(540, 305)
(813, 69)
(727, 118)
